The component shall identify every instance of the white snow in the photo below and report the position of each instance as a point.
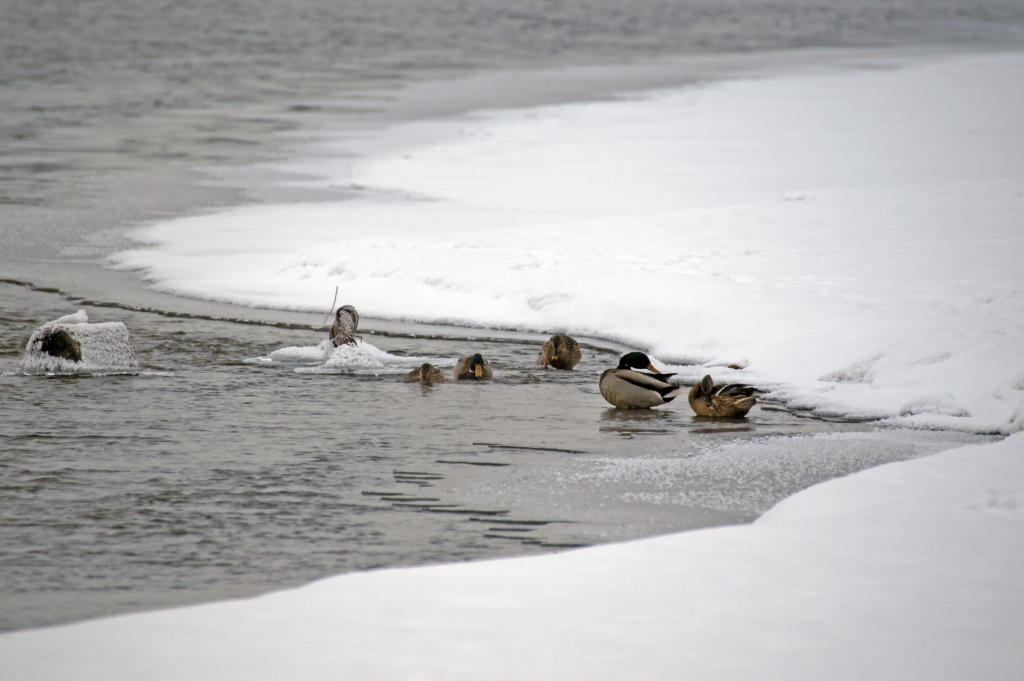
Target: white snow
(906, 571)
(325, 358)
(106, 348)
(853, 238)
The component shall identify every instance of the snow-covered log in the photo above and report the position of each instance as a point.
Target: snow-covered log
(72, 345)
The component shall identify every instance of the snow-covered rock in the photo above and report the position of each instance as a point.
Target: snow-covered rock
(71, 345)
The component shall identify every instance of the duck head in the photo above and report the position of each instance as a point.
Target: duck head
(425, 372)
(558, 341)
(706, 384)
(477, 365)
(637, 360)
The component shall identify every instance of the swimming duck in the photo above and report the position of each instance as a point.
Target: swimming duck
(472, 366)
(629, 389)
(560, 351)
(428, 373)
(727, 401)
(346, 321)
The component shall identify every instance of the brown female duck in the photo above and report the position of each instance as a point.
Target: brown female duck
(346, 321)
(428, 373)
(560, 352)
(726, 401)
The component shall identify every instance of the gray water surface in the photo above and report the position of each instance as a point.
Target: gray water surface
(212, 474)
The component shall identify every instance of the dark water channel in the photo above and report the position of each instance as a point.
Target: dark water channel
(210, 475)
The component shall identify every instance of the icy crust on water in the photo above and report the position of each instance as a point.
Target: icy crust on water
(105, 348)
(758, 472)
(852, 239)
(910, 570)
(325, 358)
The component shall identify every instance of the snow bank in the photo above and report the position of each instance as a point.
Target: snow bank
(906, 571)
(853, 238)
(88, 348)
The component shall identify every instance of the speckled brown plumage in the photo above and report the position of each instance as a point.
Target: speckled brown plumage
(725, 401)
(346, 321)
(428, 373)
(560, 352)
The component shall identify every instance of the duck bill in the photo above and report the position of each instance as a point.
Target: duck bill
(478, 370)
(650, 367)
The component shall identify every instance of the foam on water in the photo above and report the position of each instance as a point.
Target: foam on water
(326, 358)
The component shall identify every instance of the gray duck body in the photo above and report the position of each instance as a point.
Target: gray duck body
(472, 367)
(626, 388)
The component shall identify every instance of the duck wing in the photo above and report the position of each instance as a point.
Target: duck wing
(648, 381)
(462, 367)
(627, 389)
(735, 390)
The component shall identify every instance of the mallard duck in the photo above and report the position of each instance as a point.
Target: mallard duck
(472, 366)
(346, 321)
(726, 401)
(561, 352)
(428, 373)
(629, 389)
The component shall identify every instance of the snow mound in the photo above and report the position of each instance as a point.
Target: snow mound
(858, 372)
(71, 345)
(941, 403)
(325, 358)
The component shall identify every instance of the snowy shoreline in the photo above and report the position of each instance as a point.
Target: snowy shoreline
(849, 236)
(904, 571)
(907, 570)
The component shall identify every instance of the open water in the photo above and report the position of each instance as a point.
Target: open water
(213, 473)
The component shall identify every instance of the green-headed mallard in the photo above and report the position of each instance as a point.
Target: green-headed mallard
(472, 366)
(629, 389)
(346, 321)
(561, 352)
(726, 401)
(428, 373)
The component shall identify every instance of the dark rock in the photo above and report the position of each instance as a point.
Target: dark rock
(60, 343)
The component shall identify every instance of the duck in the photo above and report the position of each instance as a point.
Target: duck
(346, 321)
(472, 366)
(561, 351)
(626, 388)
(725, 401)
(428, 373)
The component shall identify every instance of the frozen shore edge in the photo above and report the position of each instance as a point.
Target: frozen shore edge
(908, 570)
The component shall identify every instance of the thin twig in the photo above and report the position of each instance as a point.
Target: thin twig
(332, 306)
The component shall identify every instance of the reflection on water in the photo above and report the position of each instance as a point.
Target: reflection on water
(209, 475)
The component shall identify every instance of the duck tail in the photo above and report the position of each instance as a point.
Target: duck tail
(670, 393)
